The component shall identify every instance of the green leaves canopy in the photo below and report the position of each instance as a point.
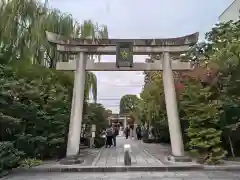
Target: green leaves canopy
(35, 109)
(22, 34)
(128, 103)
(35, 101)
(153, 99)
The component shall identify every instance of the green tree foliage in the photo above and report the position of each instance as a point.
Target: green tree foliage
(96, 114)
(35, 105)
(152, 109)
(128, 103)
(22, 35)
(23, 26)
(203, 115)
(35, 111)
(9, 155)
(223, 48)
(35, 101)
(153, 99)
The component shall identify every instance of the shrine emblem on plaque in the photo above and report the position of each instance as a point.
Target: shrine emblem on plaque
(124, 54)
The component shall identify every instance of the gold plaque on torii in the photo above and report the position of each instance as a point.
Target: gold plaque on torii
(124, 54)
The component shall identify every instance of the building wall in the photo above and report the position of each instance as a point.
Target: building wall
(231, 13)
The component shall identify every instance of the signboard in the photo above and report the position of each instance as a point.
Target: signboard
(93, 134)
(124, 54)
(93, 128)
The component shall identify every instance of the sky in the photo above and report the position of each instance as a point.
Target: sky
(140, 19)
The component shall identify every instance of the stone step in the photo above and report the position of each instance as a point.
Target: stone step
(79, 168)
(97, 169)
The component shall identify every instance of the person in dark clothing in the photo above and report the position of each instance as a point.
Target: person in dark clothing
(127, 131)
(115, 134)
(109, 136)
(139, 132)
(153, 132)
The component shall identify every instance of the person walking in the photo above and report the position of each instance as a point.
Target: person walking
(109, 136)
(127, 131)
(139, 132)
(115, 134)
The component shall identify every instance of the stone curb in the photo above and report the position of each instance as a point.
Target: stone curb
(111, 169)
(222, 168)
(168, 168)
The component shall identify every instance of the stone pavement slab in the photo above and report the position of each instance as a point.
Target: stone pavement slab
(115, 156)
(88, 156)
(162, 151)
(159, 151)
(217, 175)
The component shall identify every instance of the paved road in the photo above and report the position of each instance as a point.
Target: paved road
(115, 156)
(130, 176)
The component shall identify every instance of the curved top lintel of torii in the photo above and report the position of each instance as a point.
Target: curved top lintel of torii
(55, 39)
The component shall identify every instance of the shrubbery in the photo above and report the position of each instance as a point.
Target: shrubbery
(204, 130)
(9, 156)
(28, 163)
(35, 107)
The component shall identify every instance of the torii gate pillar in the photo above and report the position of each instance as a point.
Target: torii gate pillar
(77, 107)
(171, 107)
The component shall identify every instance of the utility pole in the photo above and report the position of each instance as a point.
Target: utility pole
(45, 4)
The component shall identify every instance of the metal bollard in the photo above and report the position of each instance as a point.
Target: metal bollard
(127, 156)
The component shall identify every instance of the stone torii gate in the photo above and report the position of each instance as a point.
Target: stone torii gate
(124, 49)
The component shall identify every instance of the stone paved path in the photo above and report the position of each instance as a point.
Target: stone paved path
(159, 151)
(220, 175)
(115, 156)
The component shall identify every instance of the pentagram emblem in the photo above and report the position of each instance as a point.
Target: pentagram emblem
(124, 54)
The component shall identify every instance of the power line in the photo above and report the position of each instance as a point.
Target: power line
(123, 85)
(113, 106)
(109, 99)
(98, 100)
(106, 99)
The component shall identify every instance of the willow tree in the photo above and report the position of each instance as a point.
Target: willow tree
(22, 34)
